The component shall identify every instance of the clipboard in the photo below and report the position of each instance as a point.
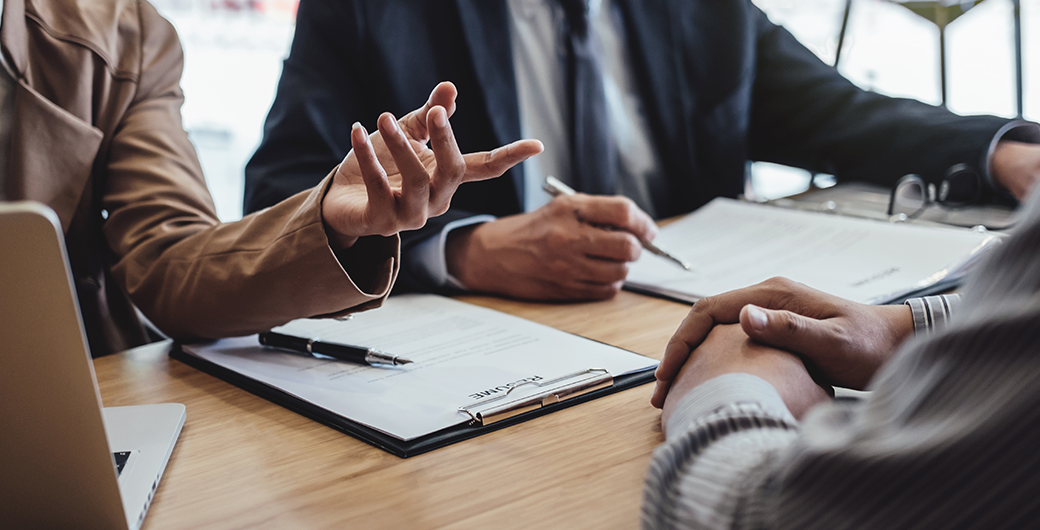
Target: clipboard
(482, 424)
(387, 407)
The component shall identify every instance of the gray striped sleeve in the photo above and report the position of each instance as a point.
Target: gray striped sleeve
(718, 435)
(947, 439)
(933, 313)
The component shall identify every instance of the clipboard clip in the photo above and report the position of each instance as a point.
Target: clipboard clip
(497, 408)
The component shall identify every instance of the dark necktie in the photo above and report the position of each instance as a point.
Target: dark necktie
(593, 160)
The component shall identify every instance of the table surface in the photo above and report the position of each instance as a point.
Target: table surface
(243, 462)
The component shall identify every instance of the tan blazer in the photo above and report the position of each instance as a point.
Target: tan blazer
(97, 136)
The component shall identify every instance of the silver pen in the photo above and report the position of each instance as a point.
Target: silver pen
(553, 186)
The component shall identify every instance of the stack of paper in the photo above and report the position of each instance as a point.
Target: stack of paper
(734, 244)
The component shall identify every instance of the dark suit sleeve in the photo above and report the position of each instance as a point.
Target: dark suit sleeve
(308, 127)
(331, 79)
(805, 114)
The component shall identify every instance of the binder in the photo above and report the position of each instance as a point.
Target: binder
(495, 408)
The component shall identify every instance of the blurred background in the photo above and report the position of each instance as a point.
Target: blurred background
(234, 48)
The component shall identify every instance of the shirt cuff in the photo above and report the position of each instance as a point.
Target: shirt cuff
(723, 390)
(428, 256)
(932, 313)
(1016, 131)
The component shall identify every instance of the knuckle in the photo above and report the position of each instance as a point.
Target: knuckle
(632, 248)
(631, 212)
(489, 160)
(620, 211)
(558, 268)
(703, 306)
(566, 202)
(557, 238)
(790, 324)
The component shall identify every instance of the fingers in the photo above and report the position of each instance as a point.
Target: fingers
(706, 313)
(577, 290)
(618, 212)
(774, 293)
(787, 330)
(371, 171)
(721, 309)
(415, 123)
(611, 245)
(691, 333)
(415, 181)
(490, 164)
(443, 96)
(451, 167)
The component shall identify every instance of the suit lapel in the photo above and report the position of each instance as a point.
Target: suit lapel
(485, 24)
(51, 154)
(13, 36)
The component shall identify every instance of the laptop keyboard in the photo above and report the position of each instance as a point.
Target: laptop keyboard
(121, 459)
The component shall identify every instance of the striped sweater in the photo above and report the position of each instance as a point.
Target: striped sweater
(949, 437)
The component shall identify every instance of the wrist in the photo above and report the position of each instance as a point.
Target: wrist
(339, 241)
(899, 320)
(458, 250)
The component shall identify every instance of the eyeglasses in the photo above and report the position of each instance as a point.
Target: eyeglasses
(912, 196)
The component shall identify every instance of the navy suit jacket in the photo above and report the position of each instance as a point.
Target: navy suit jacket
(720, 84)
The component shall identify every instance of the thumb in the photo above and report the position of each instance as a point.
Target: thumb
(785, 330)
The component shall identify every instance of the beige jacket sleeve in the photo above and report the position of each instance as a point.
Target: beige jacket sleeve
(193, 276)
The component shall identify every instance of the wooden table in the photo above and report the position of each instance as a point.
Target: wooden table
(243, 462)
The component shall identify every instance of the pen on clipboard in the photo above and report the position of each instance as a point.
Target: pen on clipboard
(340, 352)
(553, 186)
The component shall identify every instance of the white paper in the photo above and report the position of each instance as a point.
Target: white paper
(734, 244)
(461, 352)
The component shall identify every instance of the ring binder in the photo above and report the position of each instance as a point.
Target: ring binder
(554, 394)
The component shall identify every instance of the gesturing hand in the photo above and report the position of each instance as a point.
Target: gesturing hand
(576, 247)
(726, 349)
(847, 341)
(392, 181)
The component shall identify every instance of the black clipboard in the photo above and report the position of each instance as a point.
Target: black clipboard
(391, 444)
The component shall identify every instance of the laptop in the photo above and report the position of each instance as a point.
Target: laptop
(65, 461)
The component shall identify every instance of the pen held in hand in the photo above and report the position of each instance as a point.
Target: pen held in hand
(340, 352)
(555, 187)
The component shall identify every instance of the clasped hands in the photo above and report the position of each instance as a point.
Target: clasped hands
(393, 181)
(781, 331)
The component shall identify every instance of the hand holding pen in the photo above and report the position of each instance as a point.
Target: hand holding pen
(575, 247)
(553, 186)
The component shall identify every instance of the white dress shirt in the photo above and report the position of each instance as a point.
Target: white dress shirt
(539, 54)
